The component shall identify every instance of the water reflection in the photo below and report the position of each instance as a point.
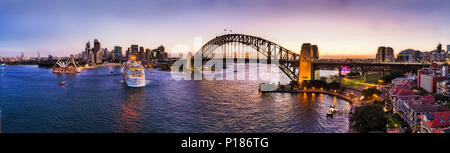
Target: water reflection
(131, 108)
(99, 101)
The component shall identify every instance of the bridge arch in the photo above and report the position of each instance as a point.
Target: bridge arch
(288, 60)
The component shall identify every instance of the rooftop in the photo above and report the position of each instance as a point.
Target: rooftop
(437, 119)
(418, 107)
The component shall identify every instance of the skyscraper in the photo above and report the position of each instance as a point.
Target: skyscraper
(141, 53)
(22, 56)
(117, 53)
(385, 54)
(315, 52)
(134, 49)
(97, 47)
(381, 54)
(439, 47)
(87, 51)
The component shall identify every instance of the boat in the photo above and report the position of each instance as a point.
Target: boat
(330, 110)
(3, 64)
(62, 83)
(134, 74)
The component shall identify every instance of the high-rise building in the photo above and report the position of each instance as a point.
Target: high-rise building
(97, 46)
(315, 53)
(117, 53)
(98, 55)
(385, 54)
(141, 53)
(148, 53)
(134, 49)
(39, 56)
(409, 55)
(439, 47)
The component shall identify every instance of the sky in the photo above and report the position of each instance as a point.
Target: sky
(338, 27)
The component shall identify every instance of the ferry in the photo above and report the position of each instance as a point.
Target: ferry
(331, 110)
(134, 74)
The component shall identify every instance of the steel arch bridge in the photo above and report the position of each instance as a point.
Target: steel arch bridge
(285, 59)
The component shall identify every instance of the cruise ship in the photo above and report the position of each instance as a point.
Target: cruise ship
(134, 74)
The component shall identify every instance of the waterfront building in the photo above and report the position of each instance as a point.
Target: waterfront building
(158, 53)
(87, 49)
(97, 46)
(99, 56)
(134, 49)
(117, 53)
(22, 56)
(385, 54)
(39, 56)
(128, 53)
(91, 58)
(148, 54)
(435, 122)
(106, 54)
(98, 52)
(409, 55)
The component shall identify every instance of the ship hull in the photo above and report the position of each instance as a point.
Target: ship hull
(135, 82)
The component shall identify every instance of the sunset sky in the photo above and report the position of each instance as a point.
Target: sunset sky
(350, 27)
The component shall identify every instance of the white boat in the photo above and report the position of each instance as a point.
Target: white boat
(3, 64)
(331, 110)
(134, 74)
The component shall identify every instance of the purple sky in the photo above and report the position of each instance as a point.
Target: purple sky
(353, 27)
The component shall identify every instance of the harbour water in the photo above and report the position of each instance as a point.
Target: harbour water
(96, 100)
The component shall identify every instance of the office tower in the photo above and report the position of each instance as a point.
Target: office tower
(389, 54)
(385, 54)
(39, 56)
(97, 56)
(134, 49)
(97, 46)
(148, 53)
(117, 53)
(141, 53)
(315, 53)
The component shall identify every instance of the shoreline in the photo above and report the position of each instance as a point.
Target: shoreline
(331, 93)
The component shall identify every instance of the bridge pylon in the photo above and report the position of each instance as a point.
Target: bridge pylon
(308, 54)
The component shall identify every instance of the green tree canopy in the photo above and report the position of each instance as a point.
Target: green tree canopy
(368, 118)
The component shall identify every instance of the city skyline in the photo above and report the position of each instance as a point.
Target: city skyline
(343, 27)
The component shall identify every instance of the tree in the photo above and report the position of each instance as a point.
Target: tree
(370, 92)
(353, 74)
(368, 118)
(441, 98)
(393, 75)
